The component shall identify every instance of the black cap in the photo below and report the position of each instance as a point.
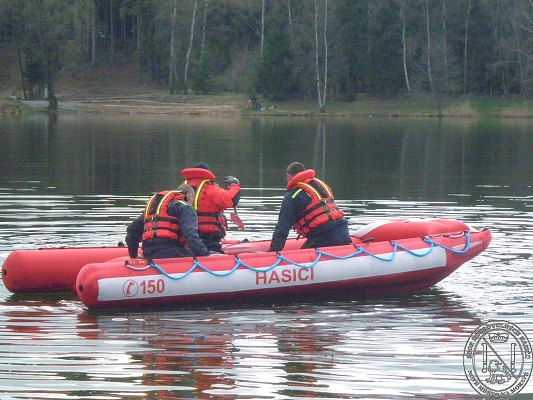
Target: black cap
(202, 165)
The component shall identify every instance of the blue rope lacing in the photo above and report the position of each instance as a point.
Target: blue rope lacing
(319, 254)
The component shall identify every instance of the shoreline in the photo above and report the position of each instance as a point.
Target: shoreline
(235, 105)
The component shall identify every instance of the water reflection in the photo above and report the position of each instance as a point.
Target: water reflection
(319, 153)
(309, 350)
(303, 350)
(363, 158)
(79, 180)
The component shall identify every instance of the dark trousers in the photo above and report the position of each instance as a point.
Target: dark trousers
(160, 248)
(212, 242)
(334, 233)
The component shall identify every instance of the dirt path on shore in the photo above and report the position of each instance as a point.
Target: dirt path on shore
(135, 105)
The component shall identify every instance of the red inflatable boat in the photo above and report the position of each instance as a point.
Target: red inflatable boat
(52, 269)
(384, 258)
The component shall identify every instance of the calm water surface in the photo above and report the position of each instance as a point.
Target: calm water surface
(78, 181)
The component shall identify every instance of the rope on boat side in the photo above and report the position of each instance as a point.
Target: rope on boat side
(464, 251)
(238, 262)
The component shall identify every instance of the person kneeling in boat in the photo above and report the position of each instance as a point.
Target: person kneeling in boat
(309, 207)
(167, 228)
(210, 202)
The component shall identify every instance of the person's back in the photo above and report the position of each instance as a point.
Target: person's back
(210, 201)
(309, 208)
(167, 228)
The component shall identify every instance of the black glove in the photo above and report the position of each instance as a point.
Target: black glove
(231, 179)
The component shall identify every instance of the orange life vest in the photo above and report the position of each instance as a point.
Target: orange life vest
(322, 208)
(157, 222)
(211, 218)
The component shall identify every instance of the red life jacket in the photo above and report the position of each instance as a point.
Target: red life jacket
(322, 208)
(157, 222)
(211, 218)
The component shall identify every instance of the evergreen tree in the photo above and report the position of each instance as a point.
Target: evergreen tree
(385, 55)
(352, 45)
(276, 71)
(481, 51)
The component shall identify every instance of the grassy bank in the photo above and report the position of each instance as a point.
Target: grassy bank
(415, 107)
(235, 104)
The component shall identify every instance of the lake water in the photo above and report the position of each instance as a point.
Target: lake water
(78, 180)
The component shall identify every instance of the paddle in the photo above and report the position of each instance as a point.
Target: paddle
(236, 219)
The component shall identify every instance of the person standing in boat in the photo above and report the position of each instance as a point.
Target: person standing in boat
(309, 208)
(210, 202)
(167, 228)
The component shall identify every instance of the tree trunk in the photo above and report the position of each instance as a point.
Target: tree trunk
(317, 64)
(188, 57)
(204, 28)
(465, 69)
(262, 27)
(93, 33)
(52, 99)
(139, 49)
(112, 28)
(124, 34)
(430, 77)
(522, 76)
(323, 108)
(500, 55)
(321, 92)
(22, 75)
(173, 74)
(445, 45)
(291, 31)
(50, 74)
(402, 17)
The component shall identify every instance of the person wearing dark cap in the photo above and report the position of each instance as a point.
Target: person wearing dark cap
(210, 202)
(309, 208)
(167, 228)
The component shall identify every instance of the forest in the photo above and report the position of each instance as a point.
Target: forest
(281, 49)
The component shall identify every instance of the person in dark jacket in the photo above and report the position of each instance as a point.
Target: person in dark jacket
(309, 208)
(167, 228)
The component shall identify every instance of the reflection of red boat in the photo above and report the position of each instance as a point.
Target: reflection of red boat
(393, 257)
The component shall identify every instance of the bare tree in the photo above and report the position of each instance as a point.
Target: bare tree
(173, 73)
(93, 33)
(523, 43)
(139, 49)
(402, 17)
(291, 30)
(262, 27)
(430, 77)
(465, 59)
(112, 28)
(204, 28)
(321, 95)
(188, 56)
(260, 31)
(445, 46)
